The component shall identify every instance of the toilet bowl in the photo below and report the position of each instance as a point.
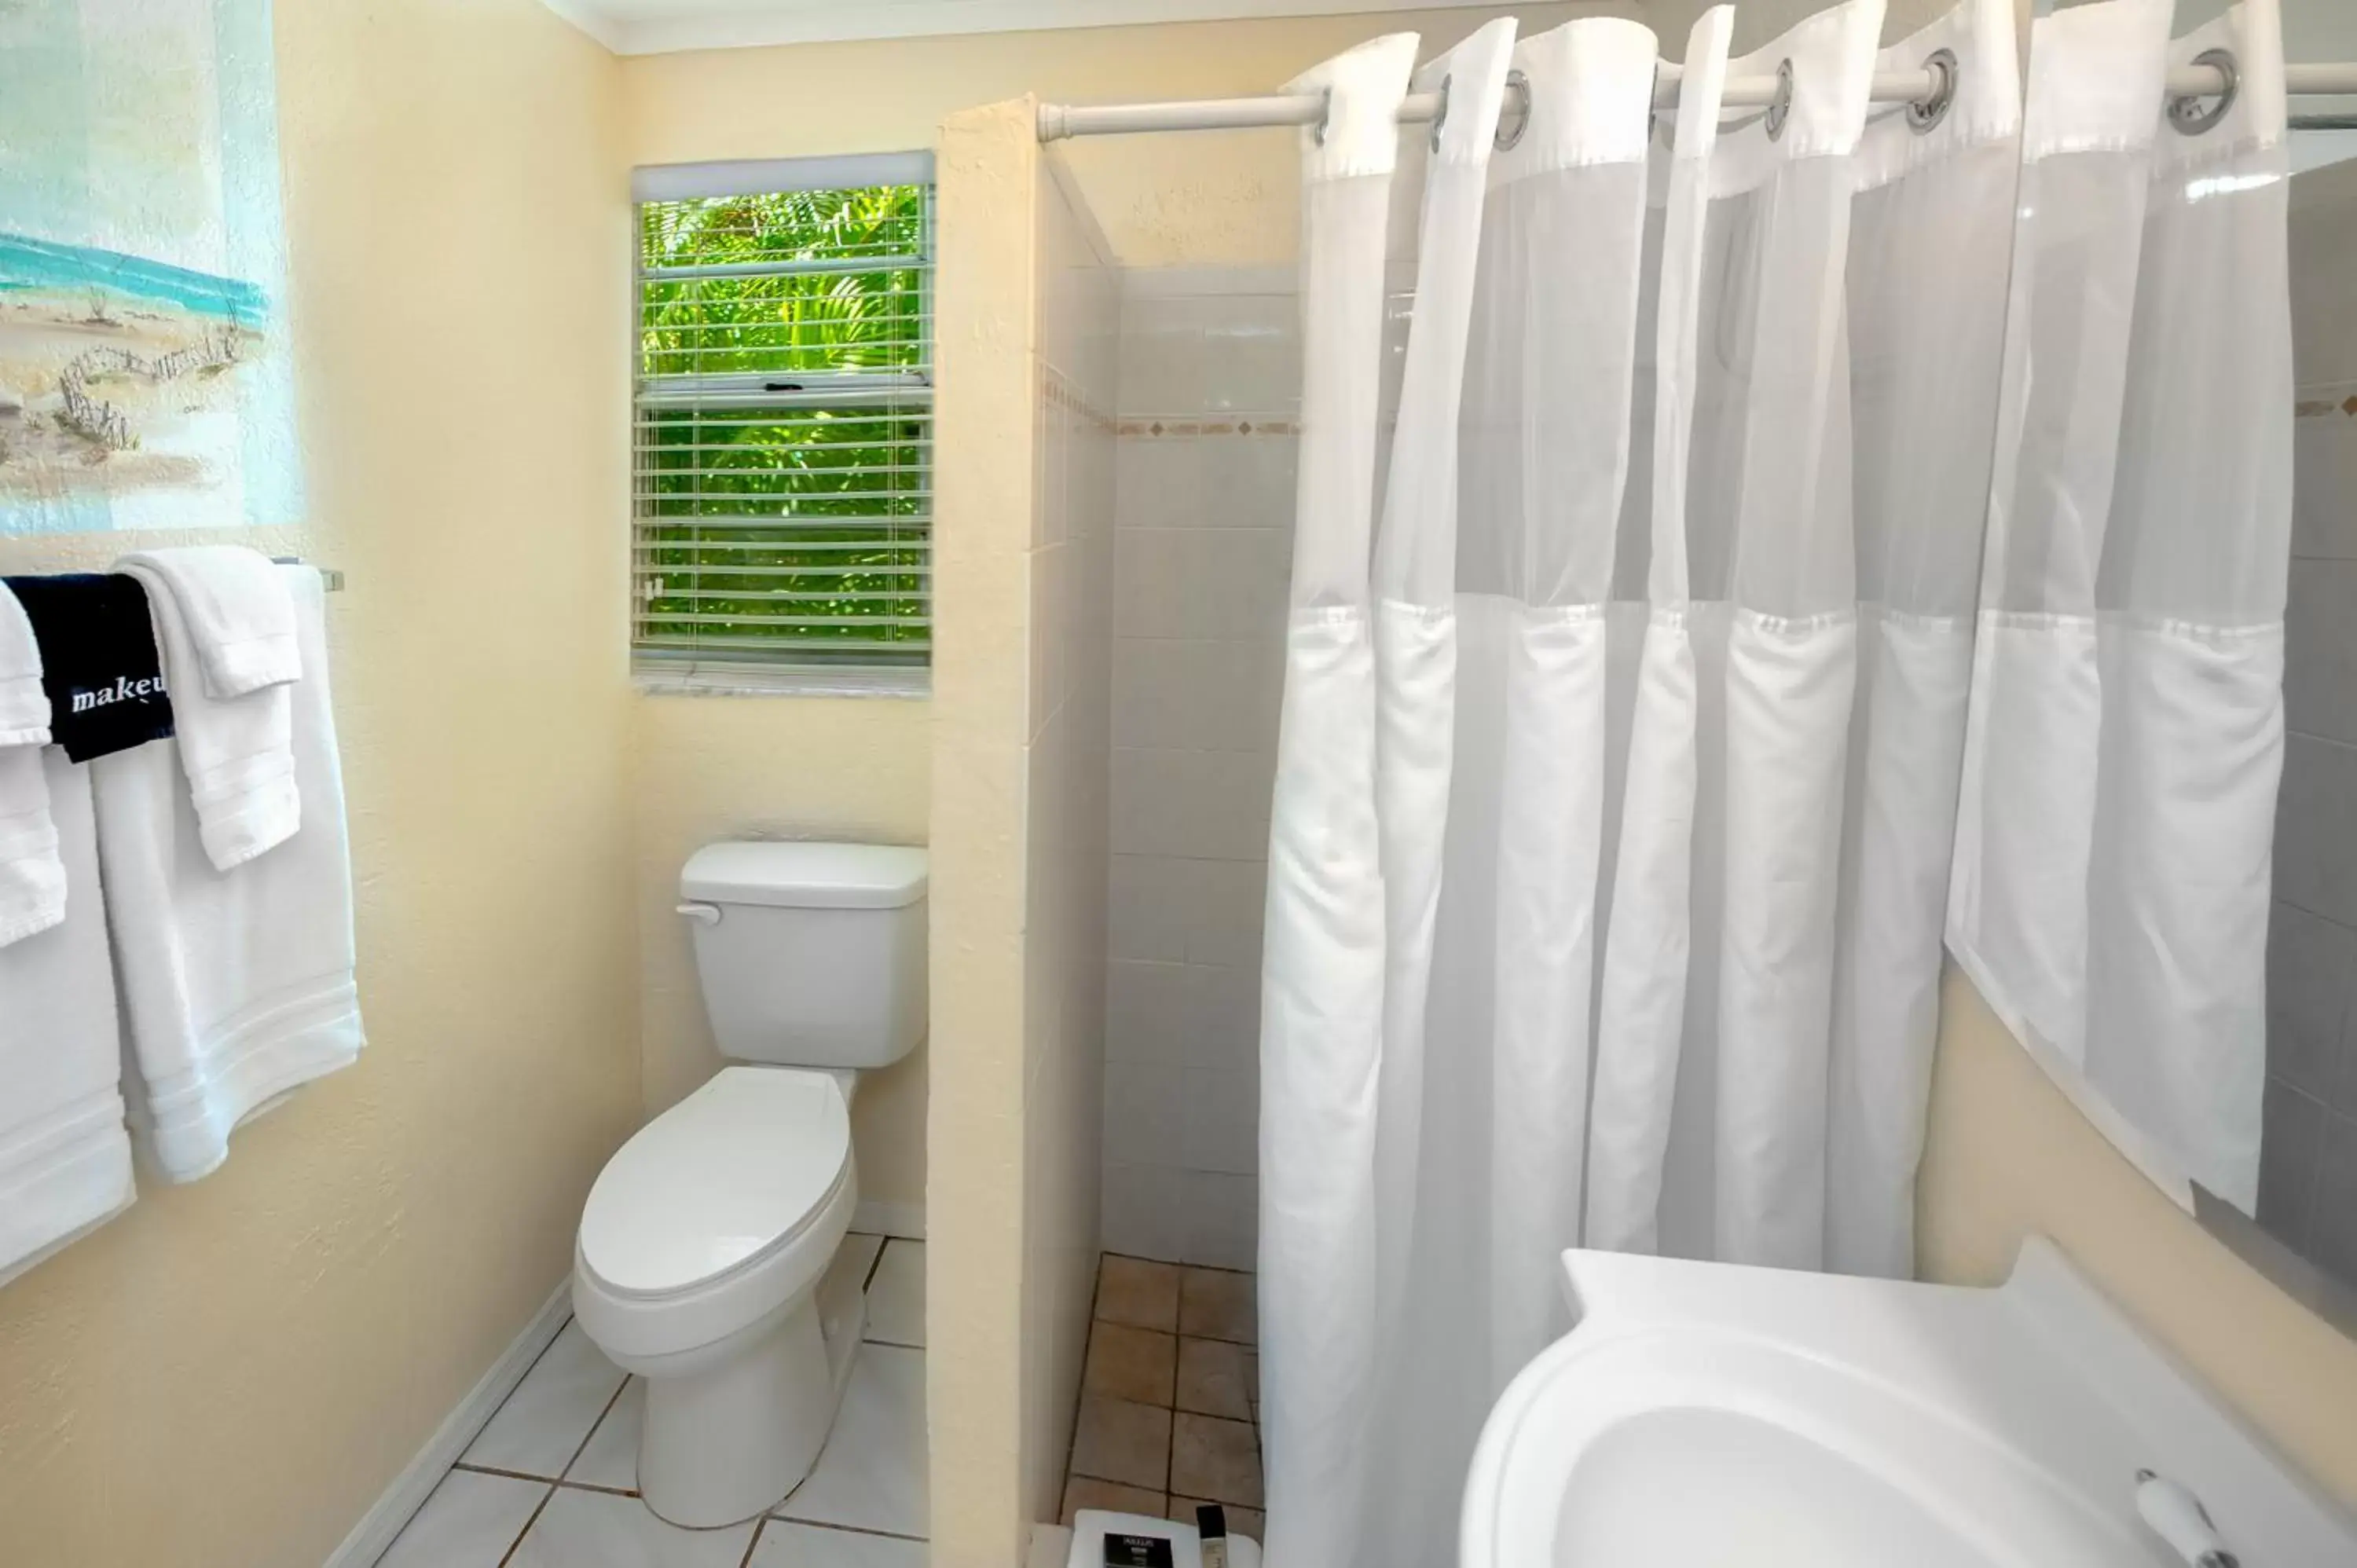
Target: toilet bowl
(702, 1260)
(698, 1267)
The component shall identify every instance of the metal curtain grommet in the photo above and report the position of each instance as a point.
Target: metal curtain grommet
(1325, 114)
(1780, 108)
(1514, 114)
(2196, 113)
(1925, 112)
(1440, 116)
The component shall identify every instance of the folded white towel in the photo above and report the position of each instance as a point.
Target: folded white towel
(236, 750)
(24, 704)
(32, 877)
(239, 616)
(65, 1158)
(32, 874)
(237, 985)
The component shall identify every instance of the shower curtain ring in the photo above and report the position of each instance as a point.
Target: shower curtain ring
(1925, 112)
(1514, 117)
(1440, 116)
(1325, 112)
(2189, 114)
(1780, 108)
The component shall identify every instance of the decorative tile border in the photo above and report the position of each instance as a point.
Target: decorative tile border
(2320, 399)
(1151, 428)
(1058, 391)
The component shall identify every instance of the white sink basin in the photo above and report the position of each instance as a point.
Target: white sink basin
(1708, 1417)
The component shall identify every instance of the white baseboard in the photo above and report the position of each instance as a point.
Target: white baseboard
(879, 1219)
(369, 1539)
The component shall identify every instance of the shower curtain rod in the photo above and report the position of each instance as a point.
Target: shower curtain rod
(1058, 121)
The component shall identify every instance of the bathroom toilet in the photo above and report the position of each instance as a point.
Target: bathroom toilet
(702, 1260)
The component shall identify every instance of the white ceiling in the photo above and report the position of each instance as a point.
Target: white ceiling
(658, 26)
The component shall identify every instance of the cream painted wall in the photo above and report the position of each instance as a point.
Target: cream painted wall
(2008, 1156)
(1226, 197)
(713, 767)
(976, 1155)
(228, 1375)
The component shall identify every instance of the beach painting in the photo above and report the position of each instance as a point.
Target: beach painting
(144, 372)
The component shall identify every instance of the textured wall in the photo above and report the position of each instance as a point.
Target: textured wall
(233, 1372)
(2008, 1156)
(977, 1184)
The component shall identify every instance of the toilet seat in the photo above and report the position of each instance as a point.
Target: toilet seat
(716, 1213)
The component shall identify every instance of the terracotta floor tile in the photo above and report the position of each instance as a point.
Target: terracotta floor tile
(1211, 1379)
(1216, 1304)
(1121, 1440)
(1130, 1363)
(1134, 1292)
(1086, 1492)
(1249, 1522)
(1216, 1459)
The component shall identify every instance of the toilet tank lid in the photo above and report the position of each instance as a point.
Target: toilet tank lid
(805, 875)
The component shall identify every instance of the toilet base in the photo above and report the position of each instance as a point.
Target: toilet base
(732, 1428)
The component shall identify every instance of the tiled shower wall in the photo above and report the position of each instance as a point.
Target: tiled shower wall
(1209, 388)
(2308, 1168)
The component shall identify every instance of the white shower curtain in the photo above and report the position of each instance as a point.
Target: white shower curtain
(2111, 866)
(1617, 769)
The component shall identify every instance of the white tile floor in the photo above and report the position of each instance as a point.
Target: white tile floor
(551, 1482)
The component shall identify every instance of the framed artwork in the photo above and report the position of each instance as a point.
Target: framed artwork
(144, 372)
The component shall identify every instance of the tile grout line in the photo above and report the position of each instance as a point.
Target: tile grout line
(538, 1508)
(761, 1524)
(583, 1446)
(848, 1529)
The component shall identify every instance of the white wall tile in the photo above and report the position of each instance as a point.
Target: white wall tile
(1203, 549)
(1227, 902)
(1144, 1209)
(2309, 961)
(2291, 1146)
(2321, 650)
(1208, 805)
(1146, 1112)
(1197, 694)
(2324, 487)
(1201, 582)
(1248, 482)
(2316, 852)
(1148, 915)
(1148, 1013)
(1222, 1121)
(1222, 1220)
(1159, 481)
(2332, 1213)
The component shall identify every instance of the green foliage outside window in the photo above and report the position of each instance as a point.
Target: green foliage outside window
(799, 397)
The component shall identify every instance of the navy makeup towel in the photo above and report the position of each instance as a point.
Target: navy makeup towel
(98, 663)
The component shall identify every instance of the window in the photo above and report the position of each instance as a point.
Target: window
(782, 475)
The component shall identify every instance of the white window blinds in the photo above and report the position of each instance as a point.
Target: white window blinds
(782, 475)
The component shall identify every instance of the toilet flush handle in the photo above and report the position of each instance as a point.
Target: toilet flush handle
(708, 913)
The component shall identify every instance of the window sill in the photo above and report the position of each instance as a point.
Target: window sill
(760, 680)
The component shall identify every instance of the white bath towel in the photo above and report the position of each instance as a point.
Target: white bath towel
(65, 1158)
(236, 750)
(235, 606)
(32, 877)
(23, 704)
(237, 985)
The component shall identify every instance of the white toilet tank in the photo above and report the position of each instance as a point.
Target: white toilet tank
(811, 954)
